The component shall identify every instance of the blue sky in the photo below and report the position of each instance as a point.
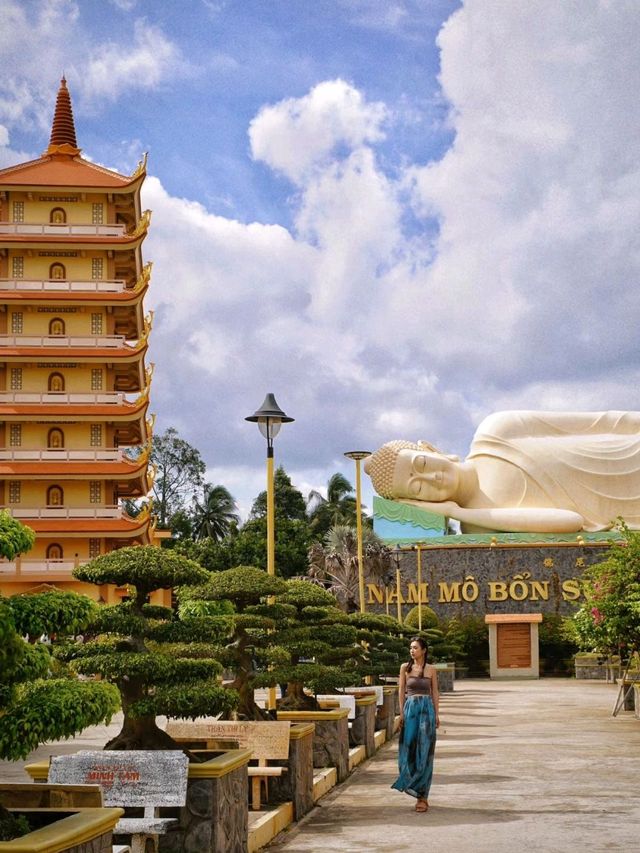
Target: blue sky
(397, 216)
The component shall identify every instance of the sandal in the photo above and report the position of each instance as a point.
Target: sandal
(422, 805)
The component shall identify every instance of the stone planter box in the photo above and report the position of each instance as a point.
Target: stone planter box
(76, 831)
(595, 667)
(363, 728)
(330, 737)
(636, 699)
(297, 784)
(215, 818)
(446, 676)
(387, 711)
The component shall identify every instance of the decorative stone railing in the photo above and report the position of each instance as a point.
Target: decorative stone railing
(80, 512)
(62, 285)
(26, 568)
(86, 454)
(64, 341)
(62, 229)
(61, 398)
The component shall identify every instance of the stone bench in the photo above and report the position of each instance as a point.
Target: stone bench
(268, 741)
(130, 779)
(628, 686)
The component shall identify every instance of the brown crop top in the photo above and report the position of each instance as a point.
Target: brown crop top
(418, 686)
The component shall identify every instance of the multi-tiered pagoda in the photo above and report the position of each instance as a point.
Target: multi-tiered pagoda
(74, 389)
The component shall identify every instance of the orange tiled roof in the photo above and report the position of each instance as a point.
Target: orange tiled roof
(129, 297)
(111, 470)
(71, 353)
(124, 412)
(89, 526)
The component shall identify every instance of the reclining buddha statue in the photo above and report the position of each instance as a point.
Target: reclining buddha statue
(526, 471)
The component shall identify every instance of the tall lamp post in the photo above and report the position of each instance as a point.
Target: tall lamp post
(270, 418)
(358, 456)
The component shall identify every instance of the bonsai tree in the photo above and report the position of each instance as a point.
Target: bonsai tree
(160, 663)
(247, 646)
(35, 707)
(385, 641)
(323, 649)
(609, 620)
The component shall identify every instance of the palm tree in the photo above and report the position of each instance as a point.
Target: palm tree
(215, 517)
(338, 508)
(336, 563)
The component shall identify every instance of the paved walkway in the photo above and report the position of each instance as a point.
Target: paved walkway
(526, 765)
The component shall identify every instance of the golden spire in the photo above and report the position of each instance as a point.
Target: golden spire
(63, 131)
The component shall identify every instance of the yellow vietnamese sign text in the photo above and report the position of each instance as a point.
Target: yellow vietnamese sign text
(519, 588)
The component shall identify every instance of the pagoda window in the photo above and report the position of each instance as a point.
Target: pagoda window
(94, 548)
(55, 439)
(56, 383)
(54, 551)
(18, 211)
(96, 435)
(15, 492)
(95, 492)
(56, 326)
(57, 272)
(55, 496)
(96, 379)
(58, 216)
(15, 435)
(16, 379)
(97, 268)
(17, 266)
(96, 324)
(17, 322)
(97, 213)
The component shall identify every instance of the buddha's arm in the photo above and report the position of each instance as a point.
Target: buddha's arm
(539, 424)
(510, 520)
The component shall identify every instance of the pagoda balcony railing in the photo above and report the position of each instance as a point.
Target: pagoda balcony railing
(64, 341)
(59, 285)
(79, 512)
(20, 567)
(59, 398)
(62, 229)
(86, 454)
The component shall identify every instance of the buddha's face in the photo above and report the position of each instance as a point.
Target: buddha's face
(422, 476)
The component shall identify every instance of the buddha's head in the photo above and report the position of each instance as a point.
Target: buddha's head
(404, 470)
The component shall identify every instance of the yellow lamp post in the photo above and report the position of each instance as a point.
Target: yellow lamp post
(270, 418)
(358, 456)
(396, 554)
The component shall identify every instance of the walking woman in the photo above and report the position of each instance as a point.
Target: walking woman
(419, 701)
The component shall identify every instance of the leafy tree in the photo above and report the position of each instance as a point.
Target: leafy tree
(215, 516)
(15, 538)
(339, 507)
(289, 502)
(335, 562)
(179, 475)
(610, 616)
(248, 646)
(153, 655)
(248, 547)
(470, 637)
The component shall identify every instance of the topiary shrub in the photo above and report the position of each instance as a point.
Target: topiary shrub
(385, 642)
(247, 640)
(429, 618)
(152, 655)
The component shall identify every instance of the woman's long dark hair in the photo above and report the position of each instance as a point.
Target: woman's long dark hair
(423, 645)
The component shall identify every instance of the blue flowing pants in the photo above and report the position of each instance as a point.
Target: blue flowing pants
(417, 747)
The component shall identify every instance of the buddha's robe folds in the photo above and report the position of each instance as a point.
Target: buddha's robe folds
(588, 462)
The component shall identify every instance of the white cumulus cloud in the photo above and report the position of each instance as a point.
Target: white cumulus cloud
(298, 133)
